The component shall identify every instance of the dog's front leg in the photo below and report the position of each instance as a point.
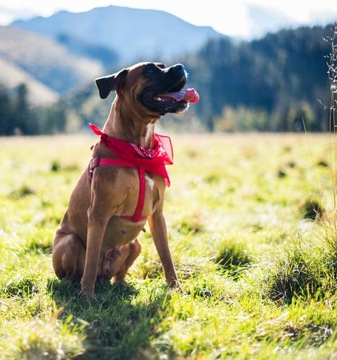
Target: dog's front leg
(158, 230)
(96, 230)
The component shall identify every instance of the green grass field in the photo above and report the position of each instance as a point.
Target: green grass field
(251, 222)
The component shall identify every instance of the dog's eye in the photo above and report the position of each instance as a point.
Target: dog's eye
(152, 68)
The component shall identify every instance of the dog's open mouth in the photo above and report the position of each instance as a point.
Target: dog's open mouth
(190, 95)
(169, 98)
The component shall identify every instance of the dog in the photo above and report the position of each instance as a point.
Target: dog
(124, 184)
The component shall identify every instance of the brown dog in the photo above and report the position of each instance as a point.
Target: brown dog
(124, 185)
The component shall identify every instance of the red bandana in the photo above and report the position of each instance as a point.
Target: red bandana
(152, 160)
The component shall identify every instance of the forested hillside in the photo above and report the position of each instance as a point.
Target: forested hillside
(282, 78)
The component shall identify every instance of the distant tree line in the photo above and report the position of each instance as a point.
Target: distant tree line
(18, 116)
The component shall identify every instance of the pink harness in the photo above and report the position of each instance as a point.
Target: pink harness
(135, 156)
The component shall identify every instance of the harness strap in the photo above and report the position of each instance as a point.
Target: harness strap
(137, 216)
(95, 162)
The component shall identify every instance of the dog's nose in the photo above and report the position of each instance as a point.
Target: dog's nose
(178, 67)
(176, 70)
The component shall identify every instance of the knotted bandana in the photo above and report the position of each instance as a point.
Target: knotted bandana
(152, 160)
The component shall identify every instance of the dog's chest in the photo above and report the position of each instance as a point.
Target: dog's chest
(141, 191)
(149, 196)
(149, 183)
(121, 229)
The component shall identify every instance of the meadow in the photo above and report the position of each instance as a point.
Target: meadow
(251, 221)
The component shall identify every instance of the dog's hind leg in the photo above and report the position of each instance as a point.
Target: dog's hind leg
(134, 251)
(116, 263)
(68, 257)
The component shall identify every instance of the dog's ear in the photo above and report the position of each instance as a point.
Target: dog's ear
(106, 84)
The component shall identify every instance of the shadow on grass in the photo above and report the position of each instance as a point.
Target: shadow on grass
(118, 324)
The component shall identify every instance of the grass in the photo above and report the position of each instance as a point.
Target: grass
(250, 221)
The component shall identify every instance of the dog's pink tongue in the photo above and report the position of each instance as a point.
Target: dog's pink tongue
(189, 95)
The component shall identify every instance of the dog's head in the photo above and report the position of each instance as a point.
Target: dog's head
(151, 85)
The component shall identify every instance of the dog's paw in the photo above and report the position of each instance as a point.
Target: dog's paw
(175, 285)
(87, 296)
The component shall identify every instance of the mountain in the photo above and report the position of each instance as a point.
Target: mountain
(44, 65)
(67, 50)
(134, 34)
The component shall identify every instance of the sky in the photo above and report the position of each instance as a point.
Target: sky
(229, 17)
